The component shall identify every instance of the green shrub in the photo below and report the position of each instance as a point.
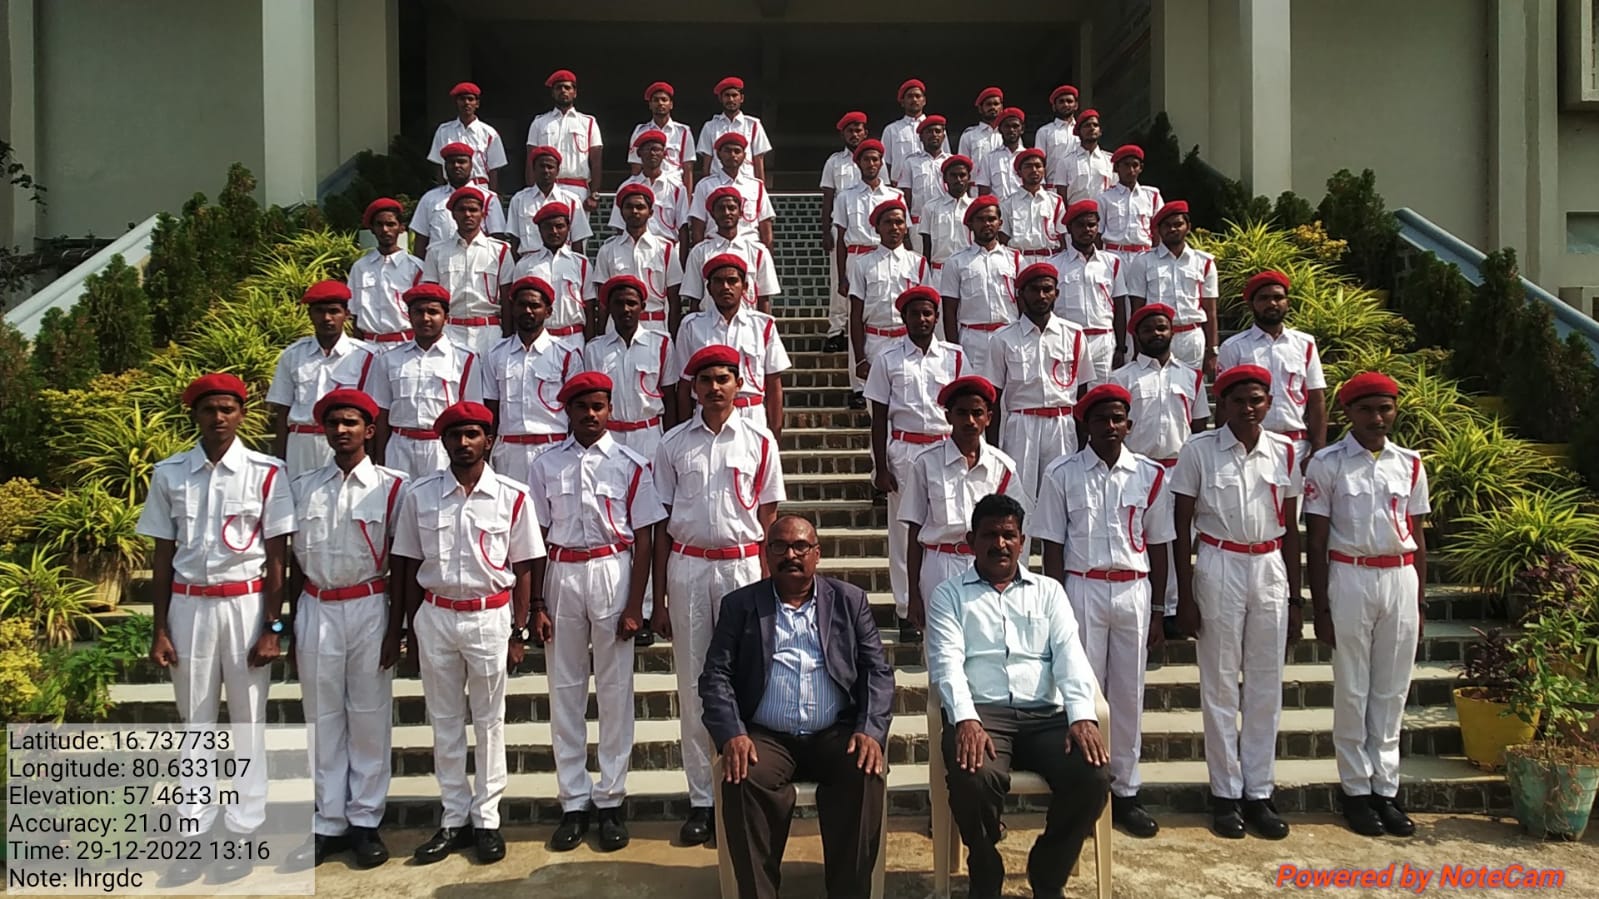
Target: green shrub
(118, 311)
(1431, 407)
(1434, 295)
(21, 503)
(94, 531)
(404, 173)
(1292, 211)
(1342, 317)
(21, 670)
(1495, 547)
(1353, 211)
(19, 406)
(1483, 343)
(64, 354)
(39, 591)
(1584, 451)
(1477, 467)
(1551, 382)
(119, 447)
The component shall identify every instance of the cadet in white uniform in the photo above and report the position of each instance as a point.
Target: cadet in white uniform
(977, 140)
(563, 269)
(941, 224)
(307, 370)
(1299, 388)
(473, 549)
(839, 172)
(415, 382)
(725, 206)
(488, 150)
(1239, 487)
(637, 358)
(1058, 139)
(670, 199)
(638, 251)
(996, 170)
(757, 213)
(902, 137)
(854, 232)
(1087, 173)
(1090, 285)
(1126, 208)
(523, 376)
(474, 268)
(720, 478)
(1105, 516)
(1183, 278)
(1365, 501)
(543, 190)
(379, 278)
(220, 516)
(1034, 217)
(678, 138)
(432, 221)
(575, 134)
(919, 173)
(978, 283)
(732, 120)
(731, 323)
(876, 280)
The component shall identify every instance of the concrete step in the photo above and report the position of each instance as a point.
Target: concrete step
(818, 359)
(855, 435)
(800, 379)
(828, 462)
(819, 398)
(833, 417)
(799, 324)
(840, 513)
(814, 487)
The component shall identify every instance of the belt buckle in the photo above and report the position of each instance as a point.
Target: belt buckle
(719, 554)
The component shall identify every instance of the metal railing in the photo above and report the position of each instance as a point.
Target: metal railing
(63, 292)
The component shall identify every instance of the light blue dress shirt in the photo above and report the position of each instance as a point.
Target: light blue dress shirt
(800, 697)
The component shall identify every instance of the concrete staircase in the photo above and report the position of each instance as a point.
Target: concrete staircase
(827, 464)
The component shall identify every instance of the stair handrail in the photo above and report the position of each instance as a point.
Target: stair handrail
(63, 292)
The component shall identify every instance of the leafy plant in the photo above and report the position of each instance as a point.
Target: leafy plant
(1475, 467)
(1551, 382)
(1430, 408)
(128, 641)
(19, 405)
(39, 591)
(1313, 239)
(21, 670)
(96, 532)
(120, 447)
(1496, 546)
(1292, 212)
(1434, 296)
(1353, 211)
(21, 502)
(118, 311)
(64, 354)
(404, 173)
(1583, 456)
(1556, 689)
(1483, 343)
(1489, 664)
(1344, 318)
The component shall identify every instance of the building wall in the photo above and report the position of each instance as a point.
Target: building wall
(1579, 193)
(141, 105)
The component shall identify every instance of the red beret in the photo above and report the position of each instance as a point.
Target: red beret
(850, 118)
(381, 204)
(552, 209)
(987, 92)
(732, 137)
(455, 148)
(978, 205)
(907, 85)
(715, 354)
(1063, 89)
(533, 282)
(723, 191)
(919, 292)
(1126, 150)
(345, 398)
(536, 152)
(871, 143)
(657, 87)
(1172, 208)
(954, 159)
(1081, 208)
(463, 414)
(723, 260)
(1098, 395)
(653, 134)
(1366, 384)
(959, 387)
(464, 192)
(581, 383)
(930, 121)
(205, 385)
(885, 207)
(616, 282)
(1033, 272)
(1242, 374)
(1263, 279)
(560, 75)
(731, 81)
(635, 190)
(427, 290)
(465, 87)
(1029, 153)
(326, 292)
(1085, 115)
(1011, 112)
(1147, 310)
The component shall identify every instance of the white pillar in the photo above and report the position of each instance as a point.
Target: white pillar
(1524, 164)
(288, 103)
(1180, 70)
(369, 75)
(1267, 58)
(19, 222)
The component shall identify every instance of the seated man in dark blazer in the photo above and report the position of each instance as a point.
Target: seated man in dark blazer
(796, 687)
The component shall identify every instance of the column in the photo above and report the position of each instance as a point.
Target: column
(288, 107)
(1267, 59)
(1523, 166)
(18, 214)
(369, 75)
(1180, 69)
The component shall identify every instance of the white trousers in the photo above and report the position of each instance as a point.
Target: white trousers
(1034, 441)
(213, 636)
(306, 452)
(755, 413)
(415, 457)
(1243, 608)
(1188, 347)
(463, 665)
(939, 567)
(515, 460)
(1102, 349)
(1113, 619)
(900, 455)
(837, 304)
(586, 600)
(694, 589)
(1375, 618)
(477, 338)
(348, 700)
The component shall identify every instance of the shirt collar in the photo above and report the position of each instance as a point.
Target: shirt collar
(1352, 446)
(1259, 334)
(953, 455)
(233, 458)
(1227, 440)
(1124, 461)
(809, 600)
(365, 472)
(1054, 324)
(1162, 249)
(935, 349)
(1023, 576)
(486, 485)
(606, 445)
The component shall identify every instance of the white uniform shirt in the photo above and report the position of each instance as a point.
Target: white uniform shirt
(1039, 369)
(839, 171)
(342, 522)
(747, 125)
(715, 483)
(943, 490)
(468, 543)
(1019, 648)
(679, 147)
(525, 381)
(568, 275)
(879, 277)
(433, 221)
(593, 496)
(1106, 516)
(762, 281)
(752, 333)
(1124, 214)
(669, 215)
(528, 201)
(415, 386)
(1295, 368)
(757, 203)
(1085, 174)
(472, 271)
(220, 514)
(901, 141)
(1367, 499)
(652, 259)
(943, 222)
(488, 150)
(1087, 285)
(306, 373)
(984, 280)
(908, 380)
(977, 140)
(377, 283)
(924, 176)
(852, 210)
(1033, 220)
(1166, 399)
(997, 170)
(637, 369)
(1238, 494)
(1058, 139)
(1178, 281)
(571, 132)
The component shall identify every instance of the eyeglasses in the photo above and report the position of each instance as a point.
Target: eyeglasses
(801, 549)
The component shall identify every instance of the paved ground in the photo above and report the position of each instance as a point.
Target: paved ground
(1185, 861)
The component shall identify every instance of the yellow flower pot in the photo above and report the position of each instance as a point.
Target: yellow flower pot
(1486, 728)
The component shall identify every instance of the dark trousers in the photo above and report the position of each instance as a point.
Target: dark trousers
(1027, 741)
(849, 803)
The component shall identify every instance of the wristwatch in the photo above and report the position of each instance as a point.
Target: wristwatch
(277, 626)
(520, 634)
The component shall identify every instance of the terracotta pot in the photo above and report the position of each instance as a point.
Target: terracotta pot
(1487, 727)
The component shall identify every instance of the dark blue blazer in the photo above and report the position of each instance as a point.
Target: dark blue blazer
(740, 658)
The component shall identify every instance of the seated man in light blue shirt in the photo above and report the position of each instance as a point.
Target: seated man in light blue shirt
(1017, 690)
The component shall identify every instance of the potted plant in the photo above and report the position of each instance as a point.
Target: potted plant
(1489, 669)
(96, 533)
(1553, 779)
(1495, 547)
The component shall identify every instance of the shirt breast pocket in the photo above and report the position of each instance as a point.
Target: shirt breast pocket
(313, 523)
(369, 279)
(241, 524)
(1025, 361)
(185, 509)
(566, 501)
(1031, 634)
(879, 283)
(1166, 285)
(456, 264)
(1291, 363)
(611, 497)
(743, 468)
(307, 382)
(492, 540)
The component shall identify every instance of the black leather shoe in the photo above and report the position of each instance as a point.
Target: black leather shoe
(490, 846)
(1393, 818)
(857, 401)
(1261, 816)
(228, 870)
(613, 833)
(1360, 813)
(570, 832)
(1225, 820)
(645, 637)
(367, 847)
(835, 343)
(908, 632)
(1168, 626)
(317, 850)
(699, 827)
(442, 843)
(1127, 814)
(184, 872)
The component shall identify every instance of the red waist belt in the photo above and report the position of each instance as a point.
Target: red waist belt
(1251, 549)
(1047, 411)
(856, 251)
(565, 330)
(986, 326)
(1116, 575)
(468, 605)
(416, 433)
(1373, 561)
(885, 332)
(1127, 247)
(392, 336)
(479, 322)
(954, 549)
(573, 182)
(532, 439)
(305, 429)
(374, 586)
(1178, 329)
(1296, 435)
(1095, 332)
(562, 554)
(1038, 252)
(717, 555)
(744, 402)
(633, 425)
(235, 588)
(914, 437)
(652, 316)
